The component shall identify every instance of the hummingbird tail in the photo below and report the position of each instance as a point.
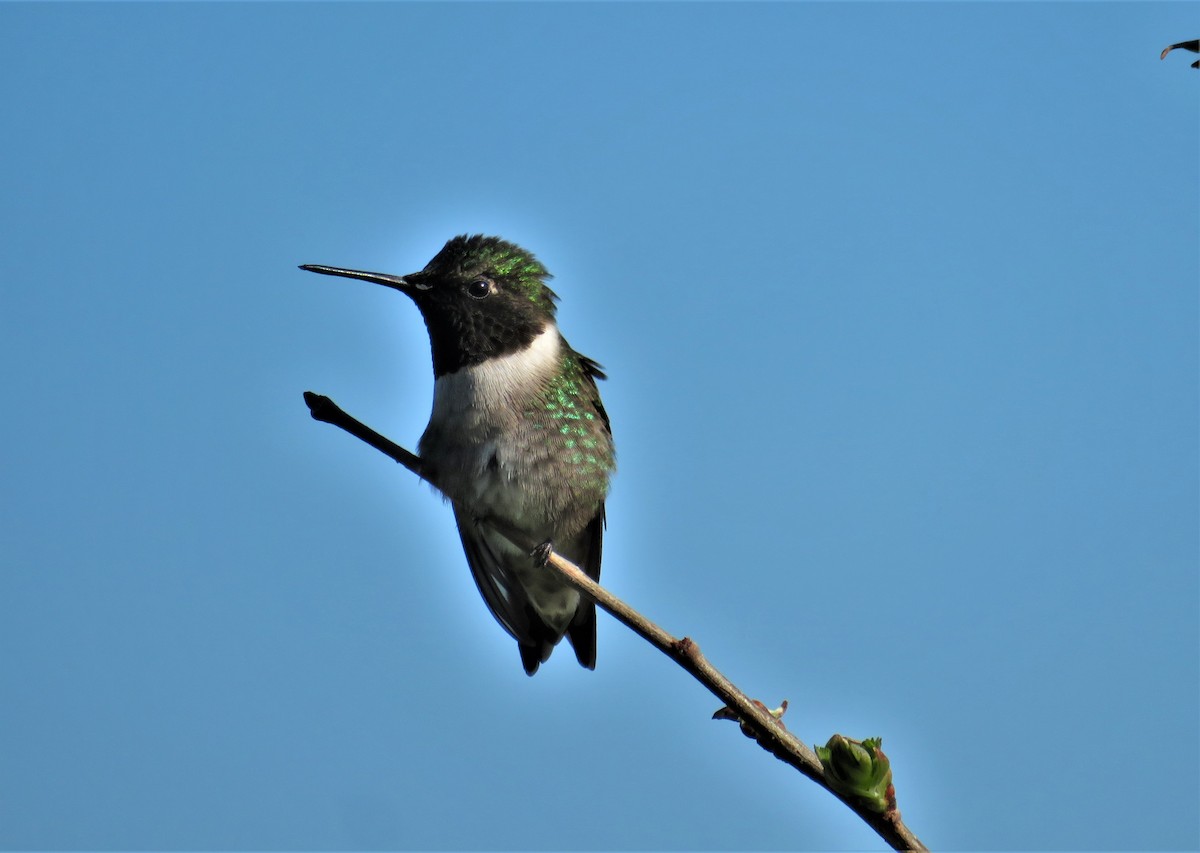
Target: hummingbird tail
(533, 656)
(582, 634)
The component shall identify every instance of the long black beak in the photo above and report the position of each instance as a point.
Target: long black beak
(396, 282)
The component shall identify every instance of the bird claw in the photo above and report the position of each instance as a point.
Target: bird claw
(541, 554)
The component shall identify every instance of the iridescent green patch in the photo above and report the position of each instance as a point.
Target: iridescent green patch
(564, 403)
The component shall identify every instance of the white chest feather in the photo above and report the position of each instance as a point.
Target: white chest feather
(478, 437)
(495, 391)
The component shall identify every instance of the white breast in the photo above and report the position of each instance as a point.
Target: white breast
(486, 393)
(477, 438)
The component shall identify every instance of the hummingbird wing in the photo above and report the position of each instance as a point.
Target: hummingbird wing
(489, 555)
(593, 371)
(582, 630)
(588, 547)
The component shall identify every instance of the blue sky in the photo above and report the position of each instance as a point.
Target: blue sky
(899, 306)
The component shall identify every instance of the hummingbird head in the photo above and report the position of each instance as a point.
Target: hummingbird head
(480, 297)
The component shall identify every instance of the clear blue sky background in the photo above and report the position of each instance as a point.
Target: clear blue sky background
(899, 305)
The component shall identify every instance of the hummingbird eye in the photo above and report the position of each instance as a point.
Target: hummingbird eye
(480, 288)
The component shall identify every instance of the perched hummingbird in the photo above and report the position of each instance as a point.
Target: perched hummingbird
(517, 433)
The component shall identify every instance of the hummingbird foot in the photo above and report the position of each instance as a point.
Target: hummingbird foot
(541, 554)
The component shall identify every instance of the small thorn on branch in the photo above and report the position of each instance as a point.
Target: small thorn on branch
(728, 713)
(687, 647)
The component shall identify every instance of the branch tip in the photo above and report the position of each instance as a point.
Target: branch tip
(320, 407)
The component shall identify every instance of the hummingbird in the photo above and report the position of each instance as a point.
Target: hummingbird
(517, 434)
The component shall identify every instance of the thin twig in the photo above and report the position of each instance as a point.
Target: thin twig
(768, 732)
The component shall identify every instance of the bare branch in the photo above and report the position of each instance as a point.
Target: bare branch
(766, 730)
